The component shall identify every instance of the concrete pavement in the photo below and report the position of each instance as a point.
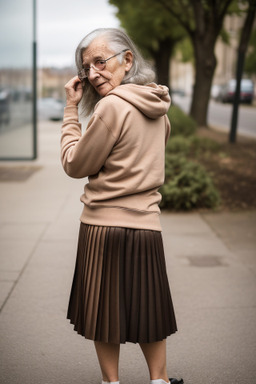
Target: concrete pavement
(211, 260)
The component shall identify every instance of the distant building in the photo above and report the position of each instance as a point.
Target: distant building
(227, 53)
(51, 81)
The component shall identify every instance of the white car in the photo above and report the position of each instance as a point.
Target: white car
(49, 108)
(227, 92)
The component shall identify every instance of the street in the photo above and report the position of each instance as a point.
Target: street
(219, 115)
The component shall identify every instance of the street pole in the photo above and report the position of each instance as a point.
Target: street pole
(34, 77)
(245, 37)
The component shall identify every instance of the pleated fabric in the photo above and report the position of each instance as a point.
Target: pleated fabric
(120, 291)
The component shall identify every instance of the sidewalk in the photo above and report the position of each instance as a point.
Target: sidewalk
(211, 260)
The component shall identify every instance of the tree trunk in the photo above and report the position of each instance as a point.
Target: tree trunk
(245, 37)
(209, 21)
(162, 62)
(205, 64)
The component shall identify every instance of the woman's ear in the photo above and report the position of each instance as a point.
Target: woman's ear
(128, 60)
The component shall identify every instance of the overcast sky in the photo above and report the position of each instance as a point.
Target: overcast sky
(61, 25)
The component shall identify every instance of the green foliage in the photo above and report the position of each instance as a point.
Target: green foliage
(187, 185)
(186, 49)
(147, 22)
(202, 144)
(250, 62)
(178, 144)
(155, 32)
(238, 7)
(192, 146)
(225, 36)
(181, 123)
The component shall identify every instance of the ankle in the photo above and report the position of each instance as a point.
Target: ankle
(159, 381)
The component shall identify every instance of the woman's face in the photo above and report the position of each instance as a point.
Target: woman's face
(112, 75)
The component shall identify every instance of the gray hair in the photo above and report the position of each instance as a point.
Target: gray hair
(140, 72)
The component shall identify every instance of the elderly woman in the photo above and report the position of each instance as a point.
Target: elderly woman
(120, 290)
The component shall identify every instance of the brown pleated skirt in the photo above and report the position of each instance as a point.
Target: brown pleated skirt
(120, 290)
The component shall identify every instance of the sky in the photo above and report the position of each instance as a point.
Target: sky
(61, 25)
(16, 33)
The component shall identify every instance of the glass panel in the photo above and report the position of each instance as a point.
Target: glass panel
(16, 80)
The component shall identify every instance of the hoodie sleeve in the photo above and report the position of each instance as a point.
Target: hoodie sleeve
(167, 129)
(84, 155)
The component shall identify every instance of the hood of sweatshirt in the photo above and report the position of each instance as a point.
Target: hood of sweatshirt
(152, 100)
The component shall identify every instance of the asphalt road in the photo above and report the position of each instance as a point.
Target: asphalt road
(219, 115)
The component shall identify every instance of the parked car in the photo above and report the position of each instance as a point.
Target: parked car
(215, 91)
(177, 91)
(227, 92)
(49, 108)
(4, 106)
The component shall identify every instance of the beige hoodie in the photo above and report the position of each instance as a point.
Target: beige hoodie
(122, 153)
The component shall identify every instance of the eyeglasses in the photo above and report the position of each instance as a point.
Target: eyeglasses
(99, 65)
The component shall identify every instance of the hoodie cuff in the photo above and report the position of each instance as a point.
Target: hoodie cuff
(71, 111)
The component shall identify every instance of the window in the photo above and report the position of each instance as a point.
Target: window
(17, 80)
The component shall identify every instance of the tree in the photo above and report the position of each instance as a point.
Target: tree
(244, 40)
(155, 31)
(202, 19)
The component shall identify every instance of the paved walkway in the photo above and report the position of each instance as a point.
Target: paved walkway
(211, 260)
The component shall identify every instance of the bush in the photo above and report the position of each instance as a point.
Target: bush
(187, 185)
(181, 123)
(191, 145)
(203, 144)
(178, 144)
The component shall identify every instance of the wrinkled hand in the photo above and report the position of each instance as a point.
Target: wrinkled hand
(74, 91)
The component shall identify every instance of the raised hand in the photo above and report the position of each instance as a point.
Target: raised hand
(74, 91)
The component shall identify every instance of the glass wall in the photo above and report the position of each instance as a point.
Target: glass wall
(17, 80)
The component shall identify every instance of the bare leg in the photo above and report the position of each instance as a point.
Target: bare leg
(155, 355)
(108, 356)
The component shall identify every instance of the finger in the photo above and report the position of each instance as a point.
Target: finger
(79, 85)
(72, 83)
